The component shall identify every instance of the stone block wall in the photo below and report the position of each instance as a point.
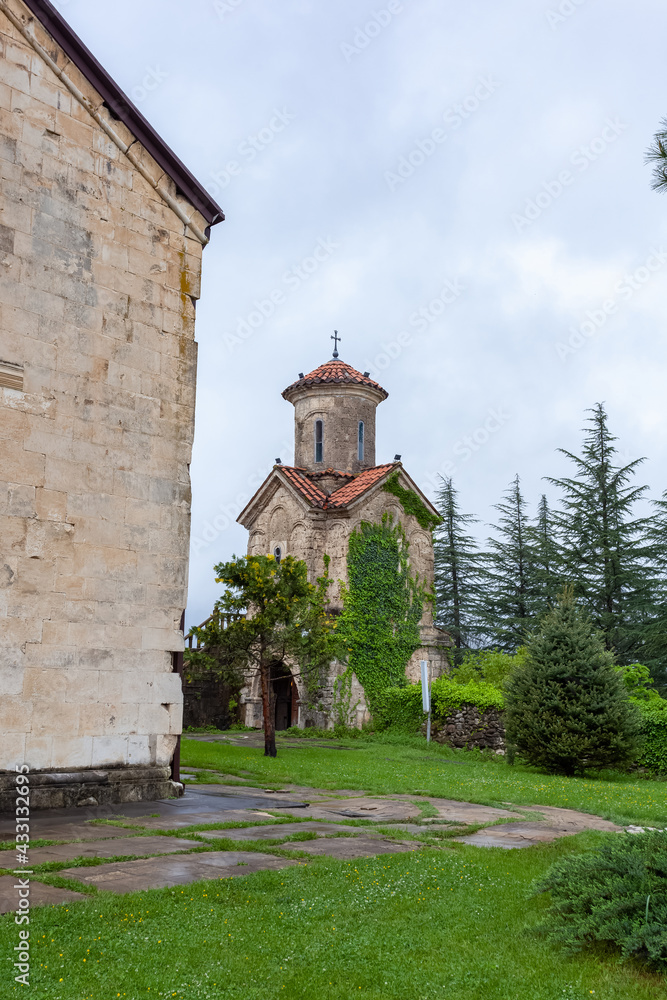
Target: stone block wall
(467, 727)
(98, 282)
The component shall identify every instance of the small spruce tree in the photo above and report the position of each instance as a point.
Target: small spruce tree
(567, 709)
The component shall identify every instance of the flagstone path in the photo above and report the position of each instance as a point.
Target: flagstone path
(164, 845)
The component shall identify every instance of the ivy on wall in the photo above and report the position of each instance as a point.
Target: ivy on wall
(382, 607)
(411, 503)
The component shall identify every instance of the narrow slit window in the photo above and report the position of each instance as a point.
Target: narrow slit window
(360, 449)
(319, 440)
(277, 553)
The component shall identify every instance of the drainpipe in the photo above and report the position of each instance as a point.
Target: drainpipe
(177, 668)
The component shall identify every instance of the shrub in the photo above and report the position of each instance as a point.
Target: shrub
(401, 708)
(616, 895)
(653, 734)
(567, 708)
(489, 665)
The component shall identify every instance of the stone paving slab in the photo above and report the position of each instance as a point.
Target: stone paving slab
(363, 807)
(278, 830)
(40, 894)
(100, 849)
(158, 873)
(191, 819)
(528, 834)
(570, 820)
(352, 847)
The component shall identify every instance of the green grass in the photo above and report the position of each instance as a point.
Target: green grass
(453, 924)
(411, 767)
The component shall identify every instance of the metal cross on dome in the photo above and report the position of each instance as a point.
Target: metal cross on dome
(335, 339)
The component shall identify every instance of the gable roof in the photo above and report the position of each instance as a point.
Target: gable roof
(121, 107)
(302, 482)
(334, 372)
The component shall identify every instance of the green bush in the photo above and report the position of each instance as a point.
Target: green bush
(401, 708)
(616, 895)
(489, 665)
(653, 734)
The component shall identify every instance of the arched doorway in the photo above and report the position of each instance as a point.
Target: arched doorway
(285, 697)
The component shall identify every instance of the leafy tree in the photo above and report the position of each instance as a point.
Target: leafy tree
(382, 606)
(489, 665)
(657, 154)
(608, 554)
(458, 572)
(510, 585)
(567, 709)
(273, 616)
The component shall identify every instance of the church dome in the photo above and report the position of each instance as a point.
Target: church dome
(334, 372)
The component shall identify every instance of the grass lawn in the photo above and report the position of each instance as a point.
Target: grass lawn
(455, 923)
(413, 767)
(452, 923)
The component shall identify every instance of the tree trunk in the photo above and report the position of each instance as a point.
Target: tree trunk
(269, 725)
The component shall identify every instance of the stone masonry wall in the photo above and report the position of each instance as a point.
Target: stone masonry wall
(98, 281)
(308, 534)
(467, 727)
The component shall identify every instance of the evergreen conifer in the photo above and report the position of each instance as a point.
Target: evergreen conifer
(567, 709)
(457, 571)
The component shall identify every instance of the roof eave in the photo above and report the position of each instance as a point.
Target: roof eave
(121, 107)
(258, 497)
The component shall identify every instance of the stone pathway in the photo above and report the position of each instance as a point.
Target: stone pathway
(40, 894)
(113, 848)
(89, 833)
(158, 873)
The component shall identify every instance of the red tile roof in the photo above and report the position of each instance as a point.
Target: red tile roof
(335, 372)
(299, 478)
(345, 494)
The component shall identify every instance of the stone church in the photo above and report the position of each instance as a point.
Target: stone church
(102, 229)
(313, 507)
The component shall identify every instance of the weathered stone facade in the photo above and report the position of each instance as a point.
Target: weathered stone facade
(307, 511)
(468, 728)
(101, 263)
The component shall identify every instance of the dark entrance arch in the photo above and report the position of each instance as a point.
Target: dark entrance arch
(285, 697)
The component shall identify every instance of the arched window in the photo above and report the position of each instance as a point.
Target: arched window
(277, 553)
(319, 440)
(360, 448)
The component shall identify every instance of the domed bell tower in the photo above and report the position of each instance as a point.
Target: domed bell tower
(334, 418)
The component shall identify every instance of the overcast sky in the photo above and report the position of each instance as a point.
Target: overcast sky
(473, 176)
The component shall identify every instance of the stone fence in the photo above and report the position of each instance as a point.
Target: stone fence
(466, 727)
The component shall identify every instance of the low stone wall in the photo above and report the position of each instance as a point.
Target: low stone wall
(467, 728)
(90, 787)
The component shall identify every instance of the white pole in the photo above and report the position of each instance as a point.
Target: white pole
(426, 696)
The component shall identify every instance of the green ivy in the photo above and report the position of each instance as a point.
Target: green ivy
(411, 503)
(382, 607)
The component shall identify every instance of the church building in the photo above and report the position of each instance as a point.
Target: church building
(312, 508)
